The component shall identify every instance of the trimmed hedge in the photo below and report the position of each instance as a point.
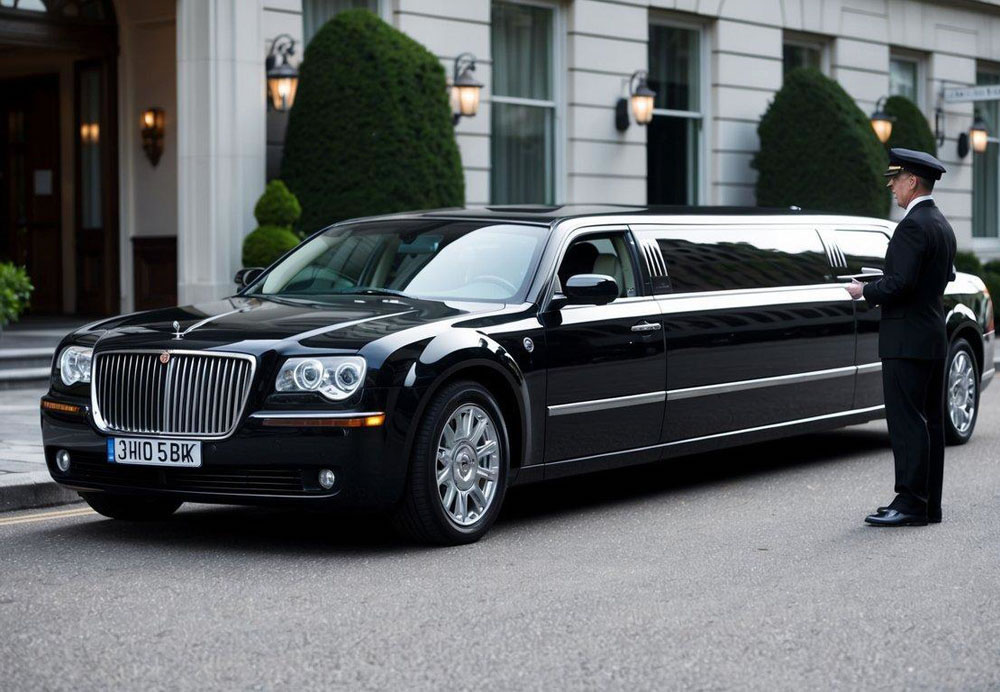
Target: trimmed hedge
(818, 150)
(910, 131)
(266, 244)
(15, 292)
(277, 206)
(370, 131)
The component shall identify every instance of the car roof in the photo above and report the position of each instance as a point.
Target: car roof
(580, 214)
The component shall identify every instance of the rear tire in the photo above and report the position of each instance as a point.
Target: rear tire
(961, 393)
(131, 508)
(458, 471)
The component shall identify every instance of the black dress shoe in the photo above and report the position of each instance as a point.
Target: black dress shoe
(931, 518)
(892, 517)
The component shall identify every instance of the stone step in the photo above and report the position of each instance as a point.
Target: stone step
(19, 358)
(17, 378)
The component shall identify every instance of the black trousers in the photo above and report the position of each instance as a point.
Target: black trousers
(914, 409)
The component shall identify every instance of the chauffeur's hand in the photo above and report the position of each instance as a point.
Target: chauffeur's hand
(856, 289)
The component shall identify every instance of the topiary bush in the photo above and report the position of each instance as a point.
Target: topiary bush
(15, 292)
(818, 150)
(910, 130)
(277, 206)
(966, 261)
(370, 131)
(266, 244)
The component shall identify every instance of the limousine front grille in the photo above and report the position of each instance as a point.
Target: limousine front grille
(182, 393)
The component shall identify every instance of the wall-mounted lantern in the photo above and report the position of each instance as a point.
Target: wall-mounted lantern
(882, 121)
(90, 133)
(282, 78)
(641, 99)
(152, 125)
(464, 89)
(977, 138)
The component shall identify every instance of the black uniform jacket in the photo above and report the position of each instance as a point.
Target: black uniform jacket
(918, 265)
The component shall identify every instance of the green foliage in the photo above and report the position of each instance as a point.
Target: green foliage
(370, 131)
(277, 206)
(818, 150)
(15, 291)
(266, 244)
(910, 130)
(966, 261)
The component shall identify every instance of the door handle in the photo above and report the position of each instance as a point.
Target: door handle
(646, 327)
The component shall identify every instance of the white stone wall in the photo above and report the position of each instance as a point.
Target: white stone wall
(603, 41)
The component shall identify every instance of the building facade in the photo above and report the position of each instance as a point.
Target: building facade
(103, 228)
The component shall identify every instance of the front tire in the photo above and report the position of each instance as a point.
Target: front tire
(131, 508)
(961, 393)
(458, 472)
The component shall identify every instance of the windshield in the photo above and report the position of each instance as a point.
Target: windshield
(456, 260)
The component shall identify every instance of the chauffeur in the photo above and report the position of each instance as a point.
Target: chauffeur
(913, 343)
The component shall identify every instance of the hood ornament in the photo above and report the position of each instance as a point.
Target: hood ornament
(177, 330)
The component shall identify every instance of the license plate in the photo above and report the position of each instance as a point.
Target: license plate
(152, 452)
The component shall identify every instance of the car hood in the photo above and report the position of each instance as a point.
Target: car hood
(255, 324)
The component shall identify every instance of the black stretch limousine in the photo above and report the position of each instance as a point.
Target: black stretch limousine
(423, 363)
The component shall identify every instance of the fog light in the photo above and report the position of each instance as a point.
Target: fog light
(326, 478)
(62, 460)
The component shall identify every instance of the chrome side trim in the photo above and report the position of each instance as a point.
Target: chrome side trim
(602, 404)
(870, 367)
(744, 431)
(741, 385)
(987, 377)
(259, 415)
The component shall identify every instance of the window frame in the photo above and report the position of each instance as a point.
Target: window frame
(814, 41)
(989, 243)
(703, 116)
(557, 103)
(383, 10)
(903, 55)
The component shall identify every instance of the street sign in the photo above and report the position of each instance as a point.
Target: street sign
(988, 92)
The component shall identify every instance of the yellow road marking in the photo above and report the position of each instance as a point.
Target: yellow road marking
(62, 514)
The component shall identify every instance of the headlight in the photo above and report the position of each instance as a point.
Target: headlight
(74, 364)
(335, 377)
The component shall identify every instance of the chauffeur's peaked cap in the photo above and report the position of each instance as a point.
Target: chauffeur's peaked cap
(918, 163)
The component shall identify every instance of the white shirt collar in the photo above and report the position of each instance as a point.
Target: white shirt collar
(915, 201)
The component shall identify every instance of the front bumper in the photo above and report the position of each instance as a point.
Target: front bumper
(989, 369)
(258, 464)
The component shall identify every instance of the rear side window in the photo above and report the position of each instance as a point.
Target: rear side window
(718, 259)
(862, 249)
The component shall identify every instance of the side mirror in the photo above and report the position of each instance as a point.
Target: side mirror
(590, 289)
(246, 276)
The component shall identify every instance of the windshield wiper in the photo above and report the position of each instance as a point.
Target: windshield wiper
(372, 291)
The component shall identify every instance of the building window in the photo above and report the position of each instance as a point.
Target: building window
(985, 166)
(523, 126)
(802, 51)
(316, 13)
(904, 77)
(673, 142)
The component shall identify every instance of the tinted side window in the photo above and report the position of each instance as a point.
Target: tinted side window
(724, 259)
(862, 249)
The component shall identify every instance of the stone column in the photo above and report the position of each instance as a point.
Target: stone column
(221, 140)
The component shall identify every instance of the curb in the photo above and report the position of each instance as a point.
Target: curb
(32, 489)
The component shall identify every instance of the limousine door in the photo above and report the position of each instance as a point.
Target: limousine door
(864, 248)
(758, 333)
(606, 365)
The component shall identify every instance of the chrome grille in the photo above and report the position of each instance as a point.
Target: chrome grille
(193, 394)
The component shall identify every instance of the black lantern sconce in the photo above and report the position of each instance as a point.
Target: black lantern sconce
(464, 90)
(641, 98)
(977, 138)
(152, 133)
(882, 121)
(282, 78)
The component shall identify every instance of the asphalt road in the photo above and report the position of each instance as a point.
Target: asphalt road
(745, 569)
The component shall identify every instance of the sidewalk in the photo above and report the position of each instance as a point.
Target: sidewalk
(24, 479)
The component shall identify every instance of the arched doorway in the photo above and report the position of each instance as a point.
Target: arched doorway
(58, 151)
